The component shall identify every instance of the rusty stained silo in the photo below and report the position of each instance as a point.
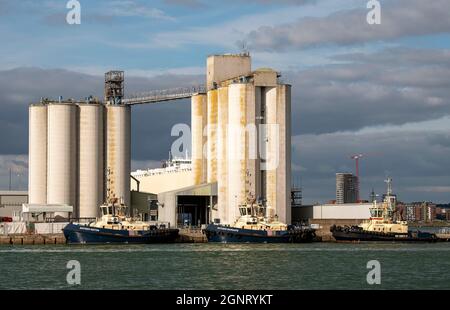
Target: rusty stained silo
(118, 152)
(211, 157)
(90, 159)
(222, 162)
(240, 97)
(199, 139)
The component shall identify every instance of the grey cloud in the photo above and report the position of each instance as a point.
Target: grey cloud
(200, 3)
(151, 124)
(280, 2)
(400, 18)
(187, 3)
(400, 56)
(355, 95)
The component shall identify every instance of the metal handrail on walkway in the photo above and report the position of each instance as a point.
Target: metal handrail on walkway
(164, 95)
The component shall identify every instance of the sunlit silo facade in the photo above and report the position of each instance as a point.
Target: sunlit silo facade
(37, 156)
(257, 163)
(90, 159)
(62, 154)
(198, 136)
(118, 152)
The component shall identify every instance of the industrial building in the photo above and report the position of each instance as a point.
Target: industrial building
(11, 202)
(80, 152)
(240, 129)
(346, 188)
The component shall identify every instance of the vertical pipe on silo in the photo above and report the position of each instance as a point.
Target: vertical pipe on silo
(198, 120)
(212, 136)
(222, 170)
(62, 154)
(90, 159)
(118, 151)
(37, 154)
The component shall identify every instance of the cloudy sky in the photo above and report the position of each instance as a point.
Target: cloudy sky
(380, 90)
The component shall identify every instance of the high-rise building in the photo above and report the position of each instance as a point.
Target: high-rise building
(346, 188)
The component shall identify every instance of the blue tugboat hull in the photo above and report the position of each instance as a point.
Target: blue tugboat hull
(78, 234)
(353, 234)
(225, 234)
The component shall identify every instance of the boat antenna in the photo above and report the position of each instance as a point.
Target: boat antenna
(389, 186)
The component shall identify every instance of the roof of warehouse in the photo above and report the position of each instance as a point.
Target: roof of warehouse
(207, 189)
(13, 193)
(38, 208)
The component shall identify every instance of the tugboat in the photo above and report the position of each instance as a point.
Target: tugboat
(253, 226)
(116, 227)
(381, 226)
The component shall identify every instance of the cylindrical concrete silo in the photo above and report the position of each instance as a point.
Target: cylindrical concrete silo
(271, 149)
(90, 159)
(37, 154)
(62, 154)
(222, 170)
(212, 136)
(236, 148)
(118, 152)
(284, 156)
(198, 119)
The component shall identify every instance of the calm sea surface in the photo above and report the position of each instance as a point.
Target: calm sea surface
(225, 266)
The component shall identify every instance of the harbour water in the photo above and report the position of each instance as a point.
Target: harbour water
(227, 266)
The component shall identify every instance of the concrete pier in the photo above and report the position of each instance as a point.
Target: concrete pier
(324, 227)
(191, 235)
(32, 239)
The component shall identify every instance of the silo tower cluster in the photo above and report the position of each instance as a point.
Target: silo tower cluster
(241, 137)
(79, 152)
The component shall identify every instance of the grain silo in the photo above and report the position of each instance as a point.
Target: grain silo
(222, 167)
(37, 156)
(284, 155)
(237, 147)
(270, 147)
(212, 136)
(198, 120)
(277, 150)
(62, 154)
(90, 159)
(118, 152)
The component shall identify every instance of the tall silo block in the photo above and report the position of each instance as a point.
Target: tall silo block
(199, 138)
(211, 156)
(90, 159)
(37, 155)
(222, 162)
(277, 146)
(284, 167)
(239, 96)
(62, 154)
(118, 152)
